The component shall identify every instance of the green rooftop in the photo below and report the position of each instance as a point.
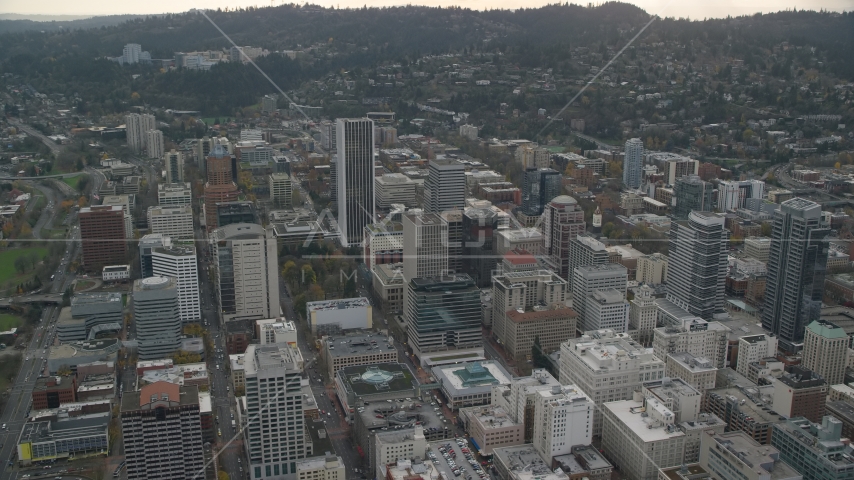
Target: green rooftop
(826, 329)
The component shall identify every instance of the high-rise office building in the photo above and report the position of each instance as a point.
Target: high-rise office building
(652, 269)
(203, 150)
(355, 172)
(825, 351)
(220, 186)
(454, 219)
(147, 244)
(752, 348)
(679, 167)
(175, 222)
(539, 187)
(697, 264)
(796, 268)
(758, 248)
(443, 313)
(643, 314)
(633, 163)
(563, 220)
(445, 187)
(733, 194)
(605, 308)
(328, 134)
(102, 235)
(588, 279)
(162, 429)
(533, 156)
(275, 438)
(425, 246)
(229, 213)
(175, 194)
(395, 188)
(585, 250)
(563, 418)
(695, 336)
(180, 262)
(157, 316)
(281, 190)
(174, 164)
(530, 304)
(137, 126)
(154, 144)
(691, 193)
(247, 281)
(480, 259)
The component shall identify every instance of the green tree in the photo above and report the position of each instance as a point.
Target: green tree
(21, 264)
(308, 275)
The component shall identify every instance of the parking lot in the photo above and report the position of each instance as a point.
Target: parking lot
(454, 458)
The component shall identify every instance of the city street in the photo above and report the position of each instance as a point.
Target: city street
(34, 363)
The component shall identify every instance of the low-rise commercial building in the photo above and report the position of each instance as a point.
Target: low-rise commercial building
(470, 384)
(357, 349)
(327, 467)
(737, 455)
(816, 450)
(492, 427)
(330, 317)
(64, 438)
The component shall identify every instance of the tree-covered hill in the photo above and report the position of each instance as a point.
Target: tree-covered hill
(335, 40)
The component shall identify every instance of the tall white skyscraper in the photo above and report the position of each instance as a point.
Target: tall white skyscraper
(275, 438)
(445, 187)
(697, 264)
(154, 143)
(633, 163)
(355, 172)
(173, 162)
(180, 263)
(137, 126)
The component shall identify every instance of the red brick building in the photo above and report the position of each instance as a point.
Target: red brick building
(102, 233)
(52, 392)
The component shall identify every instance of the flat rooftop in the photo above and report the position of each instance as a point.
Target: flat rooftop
(342, 304)
(761, 457)
(381, 378)
(757, 401)
(629, 412)
(525, 463)
(79, 299)
(361, 344)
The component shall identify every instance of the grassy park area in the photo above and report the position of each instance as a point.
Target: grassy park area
(7, 261)
(8, 322)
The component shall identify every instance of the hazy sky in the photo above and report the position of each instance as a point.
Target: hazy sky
(695, 9)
